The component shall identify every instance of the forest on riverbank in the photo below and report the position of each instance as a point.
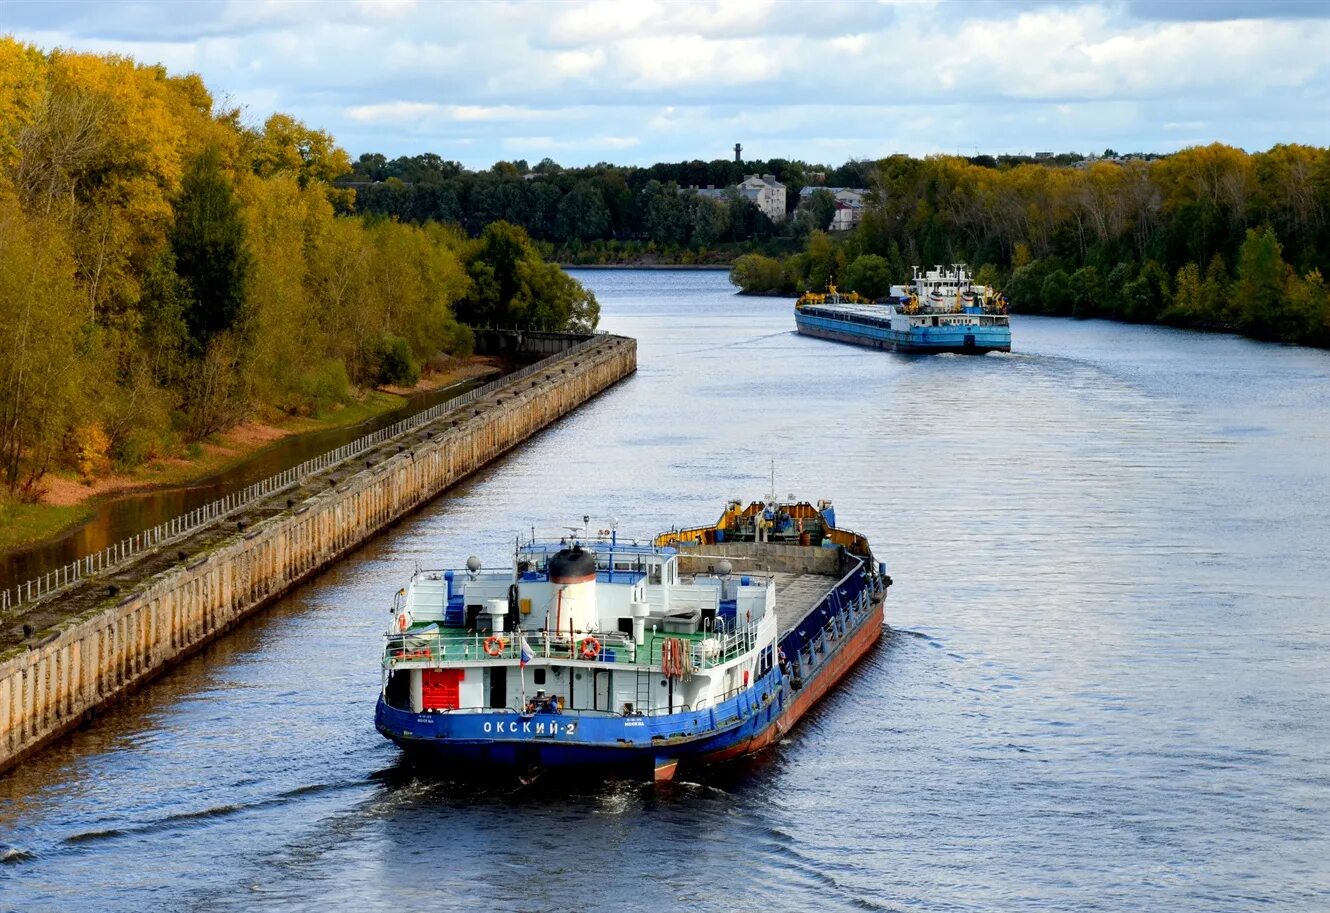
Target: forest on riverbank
(1209, 237)
(607, 214)
(167, 270)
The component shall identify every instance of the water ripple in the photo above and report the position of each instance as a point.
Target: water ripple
(1102, 688)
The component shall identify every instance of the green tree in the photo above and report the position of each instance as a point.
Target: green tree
(1186, 308)
(1055, 294)
(550, 299)
(822, 205)
(1262, 276)
(208, 242)
(710, 222)
(513, 287)
(1115, 288)
(869, 275)
(396, 362)
(582, 214)
(1025, 288)
(825, 260)
(667, 214)
(492, 267)
(1086, 287)
(1157, 295)
(1307, 318)
(1215, 293)
(756, 274)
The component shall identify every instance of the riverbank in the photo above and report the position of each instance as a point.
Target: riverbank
(69, 501)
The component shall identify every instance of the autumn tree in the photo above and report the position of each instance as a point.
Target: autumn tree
(48, 352)
(287, 146)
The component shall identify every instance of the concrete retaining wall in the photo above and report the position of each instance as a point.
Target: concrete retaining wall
(90, 661)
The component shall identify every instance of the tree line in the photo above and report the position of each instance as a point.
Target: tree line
(167, 270)
(603, 212)
(1209, 237)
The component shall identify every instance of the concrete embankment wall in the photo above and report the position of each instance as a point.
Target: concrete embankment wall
(90, 661)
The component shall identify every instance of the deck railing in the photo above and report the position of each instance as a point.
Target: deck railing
(707, 649)
(178, 527)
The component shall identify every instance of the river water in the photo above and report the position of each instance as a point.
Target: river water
(1105, 688)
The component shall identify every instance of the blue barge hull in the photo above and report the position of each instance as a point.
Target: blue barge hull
(961, 339)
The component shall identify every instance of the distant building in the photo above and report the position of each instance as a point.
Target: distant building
(763, 190)
(849, 205)
(847, 216)
(767, 193)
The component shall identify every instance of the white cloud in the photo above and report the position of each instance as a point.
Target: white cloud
(650, 79)
(393, 112)
(406, 112)
(389, 9)
(578, 63)
(526, 144)
(667, 61)
(850, 44)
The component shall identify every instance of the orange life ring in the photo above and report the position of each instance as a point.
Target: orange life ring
(590, 648)
(494, 645)
(403, 622)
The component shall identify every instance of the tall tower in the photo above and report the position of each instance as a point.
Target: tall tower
(737, 150)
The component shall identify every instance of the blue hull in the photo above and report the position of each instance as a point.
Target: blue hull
(630, 745)
(962, 339)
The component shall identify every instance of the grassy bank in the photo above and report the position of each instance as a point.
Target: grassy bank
(22, 523)
(68, 501)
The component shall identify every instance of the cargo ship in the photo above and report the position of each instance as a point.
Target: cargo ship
(603, 655)
(941, 310)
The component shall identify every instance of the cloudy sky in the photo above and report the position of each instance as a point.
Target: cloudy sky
(639, 81)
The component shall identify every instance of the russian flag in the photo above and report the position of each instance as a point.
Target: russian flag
(525, 655)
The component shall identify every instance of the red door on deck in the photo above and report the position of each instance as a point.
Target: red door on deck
(441, 689)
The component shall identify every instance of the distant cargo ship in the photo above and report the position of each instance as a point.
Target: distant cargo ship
(941, 310)
(597, 654)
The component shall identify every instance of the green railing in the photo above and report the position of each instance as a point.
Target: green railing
(432, 646)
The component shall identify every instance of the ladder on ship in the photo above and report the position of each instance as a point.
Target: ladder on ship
(643, 704)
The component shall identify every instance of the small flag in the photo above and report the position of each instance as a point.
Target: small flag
(525, 655)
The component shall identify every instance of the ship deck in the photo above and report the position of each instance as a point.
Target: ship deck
(796, 594)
